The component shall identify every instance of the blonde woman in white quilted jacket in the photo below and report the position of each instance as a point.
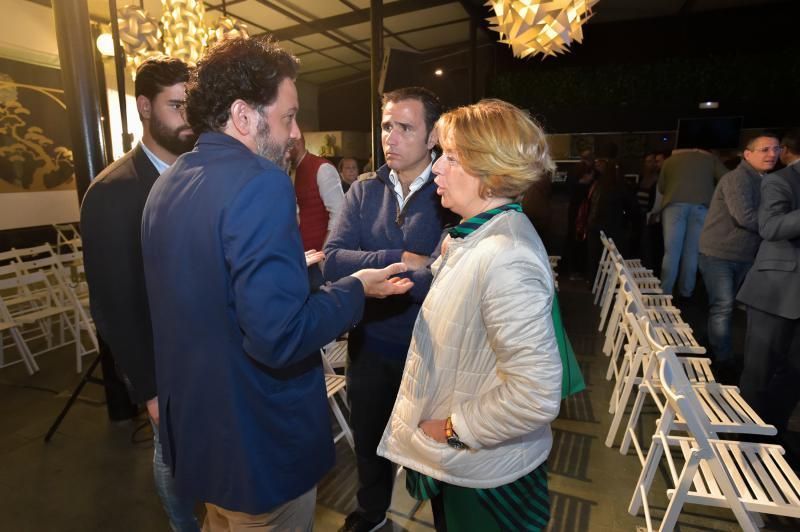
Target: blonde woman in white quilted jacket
(482, 379)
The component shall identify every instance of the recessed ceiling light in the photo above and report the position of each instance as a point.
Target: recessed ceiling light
(708, 105)
(438, 71)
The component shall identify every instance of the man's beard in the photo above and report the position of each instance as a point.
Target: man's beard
(171, 139)
(271, 151)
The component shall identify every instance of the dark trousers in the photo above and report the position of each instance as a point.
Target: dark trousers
(770, 380)
(372, 384)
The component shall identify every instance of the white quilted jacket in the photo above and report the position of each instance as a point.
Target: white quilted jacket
(484, 352)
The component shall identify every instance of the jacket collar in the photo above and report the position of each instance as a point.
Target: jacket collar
(221, 139)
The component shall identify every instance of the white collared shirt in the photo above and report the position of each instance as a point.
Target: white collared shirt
(420, 180)
(158, 163)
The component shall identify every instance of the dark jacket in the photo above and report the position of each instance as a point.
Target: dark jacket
(371, 232)
(773, 283)
(111, 218)
(730, 231)
(244, 413)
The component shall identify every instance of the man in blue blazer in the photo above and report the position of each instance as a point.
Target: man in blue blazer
(244, 416)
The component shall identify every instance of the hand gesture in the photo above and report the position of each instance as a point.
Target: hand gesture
(313, 257)
(415, 261)
(380, 283)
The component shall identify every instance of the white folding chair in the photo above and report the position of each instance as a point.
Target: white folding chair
(39, 312)
(335, 386)
(643, 278)
(606, 266)
(723, 406)
(336, 353)
(68, 238)
(749, 478)
(636, 360)
(8, 324)
(67, 277)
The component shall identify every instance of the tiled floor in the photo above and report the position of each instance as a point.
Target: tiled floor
(95, 475)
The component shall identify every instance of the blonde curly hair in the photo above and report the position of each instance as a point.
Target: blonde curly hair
(499, 144)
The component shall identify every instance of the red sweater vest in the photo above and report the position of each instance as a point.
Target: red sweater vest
(313, 215)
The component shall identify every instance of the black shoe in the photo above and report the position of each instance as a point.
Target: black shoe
(356, 522)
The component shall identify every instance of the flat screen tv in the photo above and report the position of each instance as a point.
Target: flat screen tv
(717, 133)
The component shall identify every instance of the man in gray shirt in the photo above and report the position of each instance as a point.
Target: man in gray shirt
(729, 241)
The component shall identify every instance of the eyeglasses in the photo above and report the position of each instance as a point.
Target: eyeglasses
(768, 149)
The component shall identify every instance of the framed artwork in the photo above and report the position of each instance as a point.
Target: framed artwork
(37, 179)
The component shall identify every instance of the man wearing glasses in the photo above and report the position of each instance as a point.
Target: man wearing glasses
(729, 242)
(771, 292)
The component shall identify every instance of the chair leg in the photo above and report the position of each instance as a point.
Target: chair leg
(619, 410)
(337, 412)
(633, 420)
(679, 495)
(646, 476)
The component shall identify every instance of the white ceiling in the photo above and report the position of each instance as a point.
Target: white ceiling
(332, 37)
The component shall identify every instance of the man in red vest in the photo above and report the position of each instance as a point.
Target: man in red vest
(319, 195)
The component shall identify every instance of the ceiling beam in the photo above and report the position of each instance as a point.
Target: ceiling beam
(312, 23)
(354, 17)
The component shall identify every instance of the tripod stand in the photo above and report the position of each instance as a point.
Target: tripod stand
(117, 402)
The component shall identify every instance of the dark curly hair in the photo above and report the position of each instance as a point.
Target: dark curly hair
(249, 69)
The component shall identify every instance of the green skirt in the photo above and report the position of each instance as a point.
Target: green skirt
(520, 505)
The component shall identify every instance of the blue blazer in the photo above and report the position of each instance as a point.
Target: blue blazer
(244, 416)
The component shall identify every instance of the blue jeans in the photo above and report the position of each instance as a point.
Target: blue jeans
(683, 223)
(179, 511)
(722, 279)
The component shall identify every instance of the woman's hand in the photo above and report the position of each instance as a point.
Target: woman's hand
(434, 428)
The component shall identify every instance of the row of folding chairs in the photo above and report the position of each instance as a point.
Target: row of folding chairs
(644, 331)
(43, 305)
(698, 426)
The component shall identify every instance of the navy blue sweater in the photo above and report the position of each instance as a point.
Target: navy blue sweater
(372, 232)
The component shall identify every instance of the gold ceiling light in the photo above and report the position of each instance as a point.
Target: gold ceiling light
(181, 32)
(226, 27)
(139, 35)
(183, 28)
(544, 27)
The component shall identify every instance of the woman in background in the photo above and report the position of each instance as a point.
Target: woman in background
(482, 380)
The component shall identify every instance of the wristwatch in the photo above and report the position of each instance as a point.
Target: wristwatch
(452, 437)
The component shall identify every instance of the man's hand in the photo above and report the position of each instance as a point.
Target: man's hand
(152, 409)
(313, 257)
(379, 284)
(415, 261)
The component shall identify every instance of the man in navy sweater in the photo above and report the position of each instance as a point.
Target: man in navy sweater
(388, 216)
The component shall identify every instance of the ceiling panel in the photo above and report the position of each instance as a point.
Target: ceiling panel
(391, 42)
(358, 32)
(315, 41)
(413, 28)
(261, 15)
(364, 4)
(436, 37)
(426, 17)
(315, 9)
(293, 47)
(315, 61)
(330, 75)
(345, 54)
